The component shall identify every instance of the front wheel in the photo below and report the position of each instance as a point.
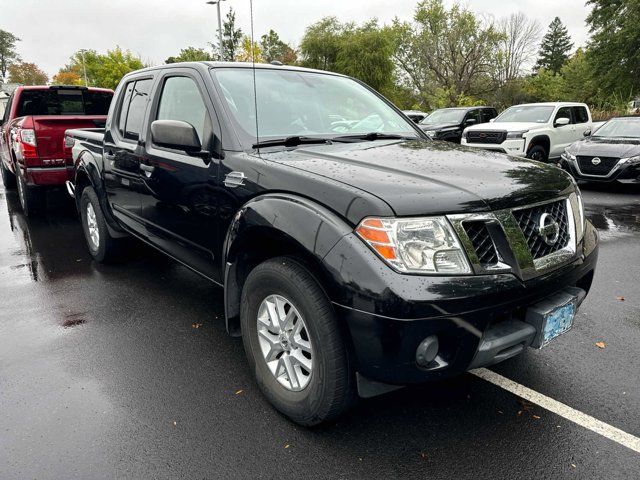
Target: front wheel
(537, 153)
(293, 343)
(102, 246)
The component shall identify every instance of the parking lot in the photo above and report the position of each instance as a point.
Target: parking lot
(126, 371)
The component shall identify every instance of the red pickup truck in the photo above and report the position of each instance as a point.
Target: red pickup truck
(32, 151)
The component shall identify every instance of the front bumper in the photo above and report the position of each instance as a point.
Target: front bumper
(515, 147)
(386, 315)
(622, 172)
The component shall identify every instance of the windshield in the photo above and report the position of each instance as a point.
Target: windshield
(63, 102)
(294, 103)
(445, 115)
(522, 113)
(620, 127)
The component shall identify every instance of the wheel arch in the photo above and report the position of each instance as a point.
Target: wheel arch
(277, 225)
(540, 140)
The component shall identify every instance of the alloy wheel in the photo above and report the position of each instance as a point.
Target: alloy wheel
(92, 227)
(285, 342)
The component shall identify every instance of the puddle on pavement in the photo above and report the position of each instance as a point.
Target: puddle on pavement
(614, 221)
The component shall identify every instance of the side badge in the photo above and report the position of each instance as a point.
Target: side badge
(234, 179)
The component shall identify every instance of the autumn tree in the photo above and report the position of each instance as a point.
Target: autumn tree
(249, 51)
(27, 74)
(67, 78)
(555, 47)
(8, 53)
(274, 49)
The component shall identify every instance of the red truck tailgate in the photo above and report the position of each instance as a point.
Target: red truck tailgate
(50, 132)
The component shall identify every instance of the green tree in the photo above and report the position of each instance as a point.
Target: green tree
(365, 53)
(102, 70)
(579, 84)
(231, 38)
(8, 53)
(273, 48)
(555, 47)
(545, 86)
(191, 54)
(614, 49)
(320, 44)
(27, 74)
(448, 51)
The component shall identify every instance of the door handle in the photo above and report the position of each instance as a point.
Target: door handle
(147, 169)
(110, 156)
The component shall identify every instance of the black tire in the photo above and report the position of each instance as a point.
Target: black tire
(108, 249)
(33, 200)
(538, 153)
(8, 178)
(331, 388)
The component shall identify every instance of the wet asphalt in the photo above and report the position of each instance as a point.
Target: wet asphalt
(126, 371)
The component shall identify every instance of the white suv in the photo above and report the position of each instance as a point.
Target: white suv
(539, 131)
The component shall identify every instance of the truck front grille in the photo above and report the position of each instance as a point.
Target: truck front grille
(486, 137)
(526, 241)
(482, 242)
(529, 221)
(601, 168)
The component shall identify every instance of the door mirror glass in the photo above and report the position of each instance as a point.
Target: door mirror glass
(492, 120)
(470, 121)
(562, 121)
(175, 134)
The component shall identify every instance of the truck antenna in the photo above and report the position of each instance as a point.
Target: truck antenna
(253, 68)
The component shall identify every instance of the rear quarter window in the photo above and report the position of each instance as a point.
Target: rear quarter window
(580, 115)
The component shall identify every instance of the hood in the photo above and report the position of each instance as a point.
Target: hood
(606, 147)
(437, 126)
(427, 178)
(505, 126)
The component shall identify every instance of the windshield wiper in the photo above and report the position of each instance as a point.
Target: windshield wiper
(292, 141)
(371, 136)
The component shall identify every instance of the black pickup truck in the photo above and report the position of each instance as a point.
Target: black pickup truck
(351, 261)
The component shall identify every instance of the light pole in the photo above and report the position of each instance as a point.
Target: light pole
(217, 3)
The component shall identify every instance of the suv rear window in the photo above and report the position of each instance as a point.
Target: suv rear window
(63, 102)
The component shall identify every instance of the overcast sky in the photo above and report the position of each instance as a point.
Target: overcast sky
(51, 30)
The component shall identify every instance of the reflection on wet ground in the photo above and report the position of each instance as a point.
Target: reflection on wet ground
(614, 221)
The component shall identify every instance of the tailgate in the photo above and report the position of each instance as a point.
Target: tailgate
(50, 133)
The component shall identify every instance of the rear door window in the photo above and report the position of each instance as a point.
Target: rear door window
(580, 115)
(134, 106)
(488, 114)
(63, 101)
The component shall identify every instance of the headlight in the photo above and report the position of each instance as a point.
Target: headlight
(569, 156)
(516, 135)
(415, 245)
(630, 160)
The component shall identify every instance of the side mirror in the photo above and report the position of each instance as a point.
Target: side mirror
(175, 134)
(587, 133)
(470, 121)
(561, 122)
(492, 120)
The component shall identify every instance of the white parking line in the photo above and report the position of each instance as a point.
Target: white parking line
(612, 433)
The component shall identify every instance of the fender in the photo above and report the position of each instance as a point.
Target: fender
(87, 173)
(299, 226)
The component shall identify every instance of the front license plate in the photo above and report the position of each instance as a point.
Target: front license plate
(558, 322)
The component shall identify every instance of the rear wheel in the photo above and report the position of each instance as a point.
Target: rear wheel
(8, 178)
(32, 199)
(102, 246)
(538, 153)
(293, 343)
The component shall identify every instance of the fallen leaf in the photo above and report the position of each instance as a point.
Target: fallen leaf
(175, 423)
(621, 298)
(286, 446)
(500, 412)
(573, 465)
(601, 344)
(424, 455)
(536, 417)
(196, 325)
(239, 392)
